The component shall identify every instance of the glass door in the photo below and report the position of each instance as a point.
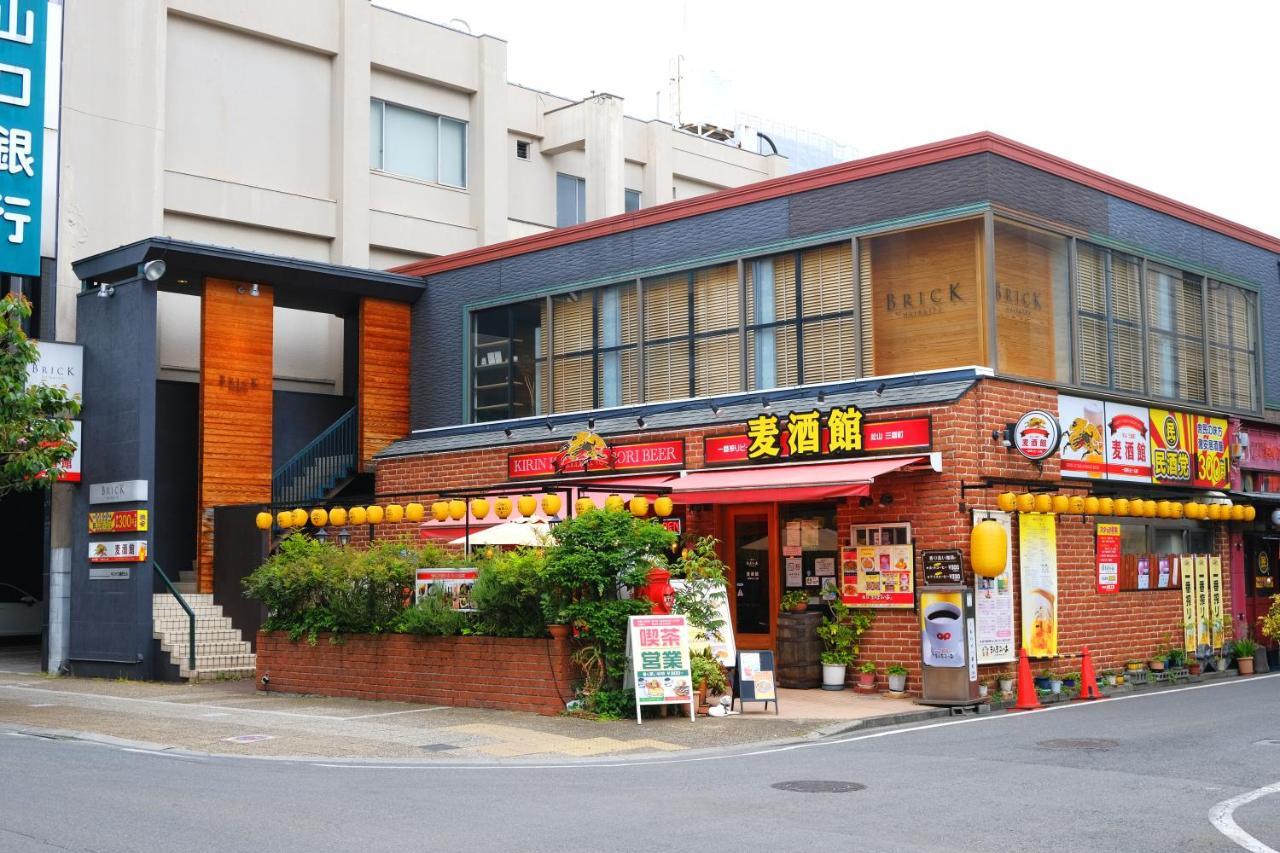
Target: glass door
(1262, 577)
(752, 556)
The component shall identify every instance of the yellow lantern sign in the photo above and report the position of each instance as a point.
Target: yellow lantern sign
(263, 520)
(663, 507)
(551, 504)
(284, 519)
(639, 506)
(457, 509)
(1250, 512)
(299, 518)
(1121, 506)
(479, 508)
(1007, 501)
(1237, 512)
(1175, 509)
(526, 505)
(1162, 509)
(988, 547)
(582, 506)
(1092, 506)
(613, 503)
(1149, 508)
(1076, 504)
(414, 512)
(1026, 502)
(440, 510)
(1061, 504)
(374, 514)
(1106, 506)
(357, 515)
(395, 513)
(338, 517)
(319, 518)
(502, 507)
(1043, 503)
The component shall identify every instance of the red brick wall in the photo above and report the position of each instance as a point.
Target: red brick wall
(504, 673)
(1115, 627)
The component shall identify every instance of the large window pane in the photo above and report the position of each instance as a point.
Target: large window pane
(1233, 346)
(506, 362)
(375, 134)
(1033, 307)
(572, 342)
(571, 200)
(453, 153)
(410, 143)
(667, 328)
(1127, 362)
(666, 370)
(771, 319)
(1175, 339)
(1109, 309)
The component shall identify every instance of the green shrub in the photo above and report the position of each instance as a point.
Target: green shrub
(508, 594)
(432, 617)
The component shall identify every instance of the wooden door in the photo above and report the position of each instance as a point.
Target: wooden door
(751, 552)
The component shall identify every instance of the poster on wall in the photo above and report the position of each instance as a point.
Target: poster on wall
(941, 623)
(1128, 451)
(1189, 616)
(1083, 437)
(1108, 551)
(993, 602)
(878, 576)
(1203, 617)
(1164, 562)
(1212, 438)
(1216, 615)
(658, 661)
(1144, 571)
(1171, 463)
(1038, 551)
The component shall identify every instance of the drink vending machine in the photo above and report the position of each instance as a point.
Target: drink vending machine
(948, 646)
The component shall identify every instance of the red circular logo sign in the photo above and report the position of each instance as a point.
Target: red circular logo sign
(1037, 435)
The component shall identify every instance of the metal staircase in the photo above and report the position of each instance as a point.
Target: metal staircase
(316, 470)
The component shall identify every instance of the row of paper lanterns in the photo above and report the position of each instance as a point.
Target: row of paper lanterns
(455, 510)
(1125, 507)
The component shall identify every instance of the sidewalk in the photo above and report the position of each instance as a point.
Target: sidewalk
(233, 718)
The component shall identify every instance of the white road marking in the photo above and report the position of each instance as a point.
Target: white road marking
(394, 713)
(1223, 821)
(162, 754)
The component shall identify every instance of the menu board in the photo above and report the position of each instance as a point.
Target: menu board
(1038, 558)
(1211, 440)
(1084, 436)
(658, 661)
(1128, 451)
(942, 566)
(455, 583)
(878, 576)
(754, 678)
(1108, 551)
(993, 603)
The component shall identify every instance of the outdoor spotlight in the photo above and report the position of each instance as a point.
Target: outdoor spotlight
(507, 432)
(886, 499)
(252, 290)
(153, 270)
(715, 410)
(865, 501)
(822, 397)
(550, 428)
(880, 389)
(765, 404)
(640, 422)
(106, 291)
(591, 423)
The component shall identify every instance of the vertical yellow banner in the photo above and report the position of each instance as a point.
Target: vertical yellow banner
(1038, 561)
(1202, 599)
(1186, 572)
(1216, 621)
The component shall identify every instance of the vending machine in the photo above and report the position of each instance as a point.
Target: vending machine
(948, 646)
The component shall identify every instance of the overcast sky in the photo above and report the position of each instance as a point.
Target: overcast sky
(1178, 97)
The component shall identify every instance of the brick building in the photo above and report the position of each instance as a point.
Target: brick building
(831, 373)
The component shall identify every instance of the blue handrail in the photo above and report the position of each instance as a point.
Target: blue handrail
(316, 468)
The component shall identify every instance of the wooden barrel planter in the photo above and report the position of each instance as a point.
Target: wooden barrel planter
(799, 649)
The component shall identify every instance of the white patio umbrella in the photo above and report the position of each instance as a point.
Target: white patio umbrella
(535, 533)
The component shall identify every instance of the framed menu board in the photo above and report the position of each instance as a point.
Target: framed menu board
(881, 576)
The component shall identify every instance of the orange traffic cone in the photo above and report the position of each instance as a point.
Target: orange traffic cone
(1088, 681)
(1027, 699)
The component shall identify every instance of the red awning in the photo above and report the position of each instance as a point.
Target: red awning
(768, 483)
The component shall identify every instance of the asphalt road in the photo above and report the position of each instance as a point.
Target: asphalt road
(1171, 765)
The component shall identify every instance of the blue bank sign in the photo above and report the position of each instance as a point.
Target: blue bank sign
(23, 25)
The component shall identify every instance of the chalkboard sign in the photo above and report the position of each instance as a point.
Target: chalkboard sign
(942, 567)
(753, 679)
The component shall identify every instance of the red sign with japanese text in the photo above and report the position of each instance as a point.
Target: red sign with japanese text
(1212, 438)
(769, 438)
(1128, 450)
(622, 457)
(1108, 558)
(1262, 452)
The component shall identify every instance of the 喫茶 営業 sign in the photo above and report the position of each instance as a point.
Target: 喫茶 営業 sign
(658, 661)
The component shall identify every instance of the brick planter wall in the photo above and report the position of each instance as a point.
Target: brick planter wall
(504, 673)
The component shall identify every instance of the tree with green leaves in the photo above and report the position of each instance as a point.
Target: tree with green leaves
(35, 420)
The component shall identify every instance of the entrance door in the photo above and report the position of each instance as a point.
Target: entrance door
(1262, 576)
(753, 546)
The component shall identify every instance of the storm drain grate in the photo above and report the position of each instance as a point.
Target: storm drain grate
(818, 786)
(1098, 743)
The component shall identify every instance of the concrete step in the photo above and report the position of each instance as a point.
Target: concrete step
(205, 648)
(225, 674)
(192, 599)
(221, 650)
(221, 662)
(187, 588)
(204, 634)
(211, 611)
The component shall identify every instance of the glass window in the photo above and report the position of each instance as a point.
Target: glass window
(1233, 346)
(417, 144)
(828, 329)
(571, 200)
(717, 342)
(506, 368)
(594, 358)
(1175, 340)
(1033, 306)
(1109, 309)
(631, 201)
(667, 354)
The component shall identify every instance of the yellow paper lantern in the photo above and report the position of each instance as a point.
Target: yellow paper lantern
(613, 503)
(1250, 513)
(357, 515)
(988, 547)
(299, 518)
(1106, 506)
(1026, 502)
(1215, 512)
(440, 510)
(663, 506)
(1149, 508)
(1237, 512)
(1190, 509)
(374, 514)
(338, 517)
(502, 507)
(1162, 509)
(639, 506)
(395, 513)
(319, 518)
(457, 509)
(1121, 507)
(1076, 504)
(479, 508)
(414, 512)
(1043, 503)
(582, 506)
(263, 520)
(1007, 501)
(527, 505)
(1175, 509)
(551, 504)
(284, 519)
(1061, 504)
(1091, 505)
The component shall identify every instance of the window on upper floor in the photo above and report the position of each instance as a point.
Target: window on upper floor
(1233, 347)
(1109, 351)
(1033, 303)
(631, 201)
(417, 144)
(1175, 334)
(571, 200)
(508, 362)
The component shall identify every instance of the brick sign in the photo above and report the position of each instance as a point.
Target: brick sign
(838, 433)
(648, 455)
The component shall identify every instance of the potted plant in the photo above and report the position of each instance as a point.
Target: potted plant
(867, 676)
(1042, 680)
(839, 633)
(1133, 666)
(1071, 679)
(1177, 658)
(1156, 662)
(897, 678)
(983, 690)
(1244, 650)
(708, 676)
(1109, 677)
(794, 601)
(1055, 685)
(1006, 682)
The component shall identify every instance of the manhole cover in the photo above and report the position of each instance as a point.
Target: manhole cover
(818, 786)
(1078, 743)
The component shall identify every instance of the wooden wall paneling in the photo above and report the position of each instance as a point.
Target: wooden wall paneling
(235, 405)
(383, 392)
